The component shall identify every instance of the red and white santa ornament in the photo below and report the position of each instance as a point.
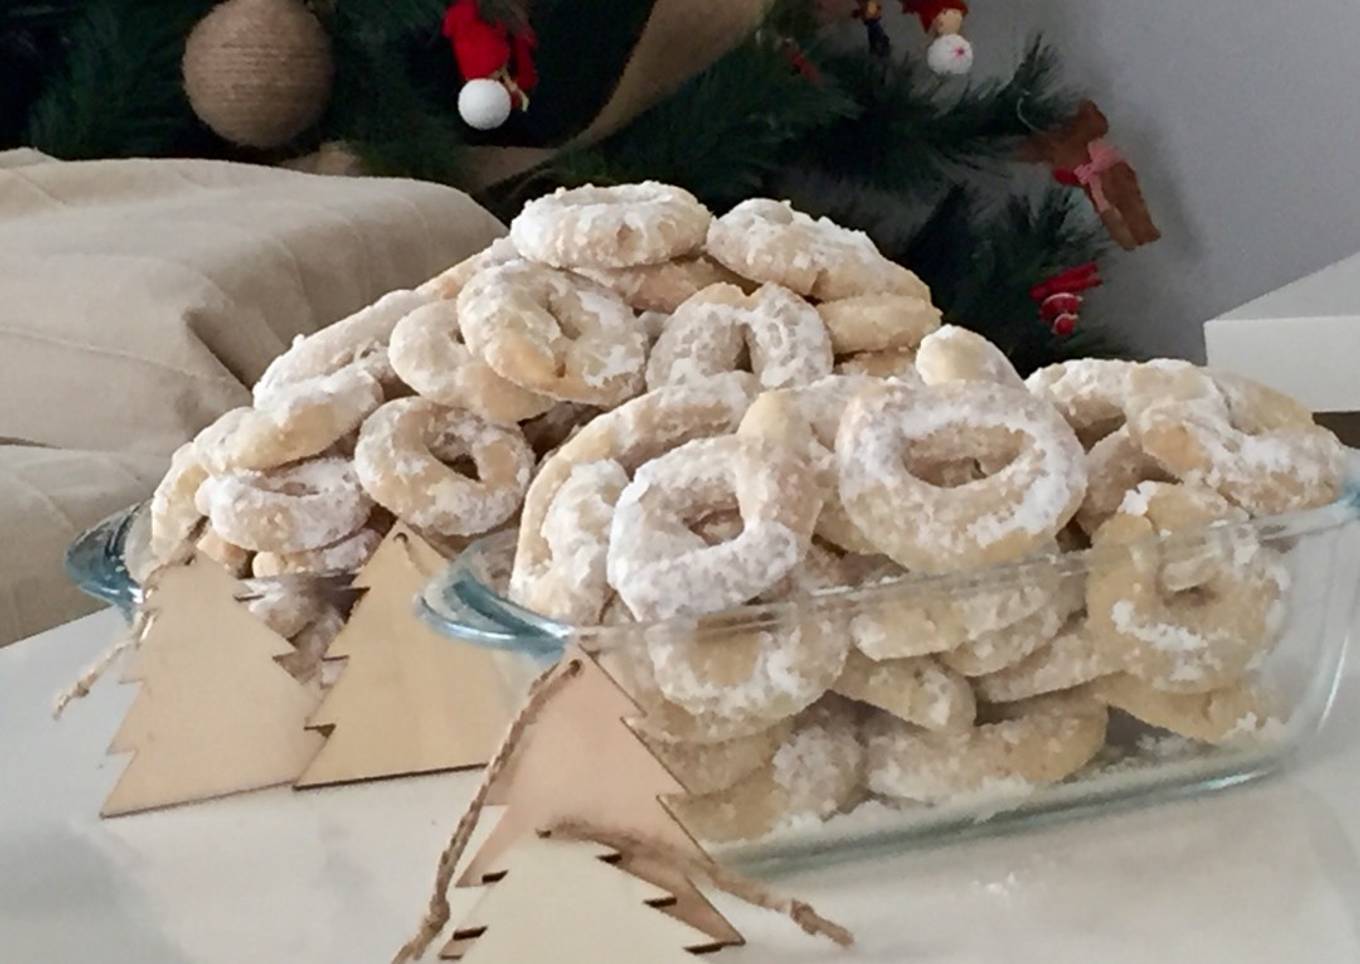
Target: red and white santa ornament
(497, 64)
(949, 52)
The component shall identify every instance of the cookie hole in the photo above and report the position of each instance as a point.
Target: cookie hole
(466, 465)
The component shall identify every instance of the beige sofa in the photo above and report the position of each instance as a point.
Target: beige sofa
(140, 299)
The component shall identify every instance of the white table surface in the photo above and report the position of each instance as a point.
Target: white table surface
(1268, 873)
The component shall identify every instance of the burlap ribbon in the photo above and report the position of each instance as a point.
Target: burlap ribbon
(680, 39)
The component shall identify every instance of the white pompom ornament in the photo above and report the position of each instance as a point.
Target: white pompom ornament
(950, 54)
(484, 104)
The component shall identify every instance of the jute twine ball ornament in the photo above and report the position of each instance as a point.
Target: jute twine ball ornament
(259, 72)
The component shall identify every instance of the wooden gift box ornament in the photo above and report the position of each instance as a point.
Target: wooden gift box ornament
(216, 714)
(408, 700)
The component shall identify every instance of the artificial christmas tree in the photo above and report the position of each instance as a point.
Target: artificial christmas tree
(581, 909)
(216, 714)
(727, 98)
(408, 700)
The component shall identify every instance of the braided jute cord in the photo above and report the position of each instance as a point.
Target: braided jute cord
(540, 692)
(437, 914)
(711, 871)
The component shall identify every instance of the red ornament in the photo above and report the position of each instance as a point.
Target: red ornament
(930, 10)
(491, 50)
(1059, 297)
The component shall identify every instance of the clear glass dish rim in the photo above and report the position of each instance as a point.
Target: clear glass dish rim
(458, 596)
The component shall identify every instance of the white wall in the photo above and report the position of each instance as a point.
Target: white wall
(1242, 118)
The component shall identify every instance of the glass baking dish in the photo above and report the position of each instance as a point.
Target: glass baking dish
(1313, 562)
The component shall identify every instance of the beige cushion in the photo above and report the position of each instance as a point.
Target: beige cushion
(47, 498)
(140, 299)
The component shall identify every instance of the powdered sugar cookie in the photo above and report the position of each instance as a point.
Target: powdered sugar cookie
(805, 420)
(1219, 716)
(211, 444)
(428, 353)
(570, 586)
(1272, 471)
(768, 241)
(284, 608)
(895, 363)
(348, 555)
(408, 459)
(554, 333)
(928, 528)
(343, 343)
(710, 768)
(174, 516)
(291, 509)
(300, 419)
(1254, 408)
(630, 435)
(992, 651)
(920, 691)
(611, 227)
(661, 287)
(310, 644)
(1015, 748)
(878, 322)
(814, 775)
(230, 557)
(1114, 465)
(449, 284)
(1184, 642)
(661, 569)
(1070, 660)
(1091, 393)
(955, 354)
(783, 336)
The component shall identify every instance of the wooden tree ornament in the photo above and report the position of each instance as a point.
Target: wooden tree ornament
(560, 902)
(579, 761)
(215, 714)
(408, 700)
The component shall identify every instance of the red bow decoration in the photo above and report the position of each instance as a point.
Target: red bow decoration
(1059, 297)
(485, 49)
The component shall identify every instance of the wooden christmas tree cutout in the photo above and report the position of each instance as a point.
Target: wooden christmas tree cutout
(408, 700)
(215, 713)
(560, 902)
(578, 761)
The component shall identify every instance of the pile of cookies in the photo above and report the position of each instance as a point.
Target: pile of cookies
(686, 414)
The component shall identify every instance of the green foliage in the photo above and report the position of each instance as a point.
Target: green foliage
(582, 50)
(395, 126)
(721, 135)
(119, 92)
(912, 137)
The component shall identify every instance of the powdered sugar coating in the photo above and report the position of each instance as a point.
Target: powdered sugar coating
(291, 509)
(299, 419)
(449, 284)
(1091, 393)
(918, 690)
(660, 287)
(779, 501)
(783, 335)
(554, 333)
(1219, 716)
(173, 512)
(1114, 465)
(1184, 642)
(955, 354)
(710, 768)
(630, 435)
(1070, 660)
(994, 650)
(768, 241)
(878, 322)
(338, 345)
(427, 351)
(929, 528)
(348, 555)
(570, 586)
(405, 458)
(611, 227)
(815, 774)
(1035, 742)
